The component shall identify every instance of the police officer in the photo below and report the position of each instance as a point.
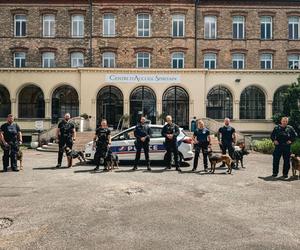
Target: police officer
(102, 141)
(227, 138)
(10, 138)
(142, 133)
(170, 131)
(283, 136)
(201, 141)
(66, 135)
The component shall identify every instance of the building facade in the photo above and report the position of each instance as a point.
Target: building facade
(187, 58)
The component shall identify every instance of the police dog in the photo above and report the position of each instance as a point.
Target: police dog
(238, 154)
(73, 154)
(216, 158)
(112, 161)
(20, 158)
(295, 165)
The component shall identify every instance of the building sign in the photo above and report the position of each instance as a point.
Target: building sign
(139, 78)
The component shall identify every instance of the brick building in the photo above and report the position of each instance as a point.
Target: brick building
(220, 58)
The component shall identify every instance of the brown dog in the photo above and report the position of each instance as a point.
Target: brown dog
(112, 161)
(215, 158)
(295, 165)
(20, 158)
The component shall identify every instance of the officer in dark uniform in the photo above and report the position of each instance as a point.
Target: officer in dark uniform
(142, 133)
(201, 141)
(66, 135)
(170, 131)
(102, 141)
(227, 138)
(283, 136)
(10, 139)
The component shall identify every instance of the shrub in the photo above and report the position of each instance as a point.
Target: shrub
(296, 147)
(265, 146)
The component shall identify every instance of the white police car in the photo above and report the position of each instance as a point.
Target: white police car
(123, 145)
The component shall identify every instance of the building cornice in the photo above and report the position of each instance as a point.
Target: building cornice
(142, 71)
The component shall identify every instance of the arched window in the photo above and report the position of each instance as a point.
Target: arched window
(110, 105)
(142, 102)
(4, 102)
(278, 100)
(252, 103)
(219, 103)
(64, 100)
(176, 103)
(31, 102)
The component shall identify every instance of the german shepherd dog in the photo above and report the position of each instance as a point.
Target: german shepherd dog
(238, 155)
(73, 154)
(216, 158)
(112, 160)
(295, 165)
(20, 158)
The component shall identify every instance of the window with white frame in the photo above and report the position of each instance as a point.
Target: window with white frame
(77, 26)
(238, 27)
(266, 27)
(109, 60)
(48, 25)
(19, 59)
(210, 27)
(20, 25)
(143, 60)
(178, 60)
(238, 61)
(77, 60)
(266, 61)
(143, 25)
(294, 61)
(48, 60)
(210, 61)
(109, 25)
(178, 25)
(294, 27)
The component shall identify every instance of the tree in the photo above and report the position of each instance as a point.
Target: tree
(291, 106)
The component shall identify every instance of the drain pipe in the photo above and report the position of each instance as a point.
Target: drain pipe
(91, 33)
(197, 3)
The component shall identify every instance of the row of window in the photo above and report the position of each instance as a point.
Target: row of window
(144, 26)
(143, 60)
(238, 61)
(175, 100)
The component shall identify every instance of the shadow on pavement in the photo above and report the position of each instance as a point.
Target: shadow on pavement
(49, 168)
(271, 178)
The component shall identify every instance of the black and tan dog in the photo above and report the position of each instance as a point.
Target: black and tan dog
(238, 154)
(112, 161)
(73, 154)
(20, 158)
(295, 165)
(216, 158)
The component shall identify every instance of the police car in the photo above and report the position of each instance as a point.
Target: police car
(123, 145)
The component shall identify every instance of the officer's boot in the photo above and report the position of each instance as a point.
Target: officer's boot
(134, 167)
(96, 168)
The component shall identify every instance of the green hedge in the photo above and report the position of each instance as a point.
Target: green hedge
(266, 146)
(296, 147)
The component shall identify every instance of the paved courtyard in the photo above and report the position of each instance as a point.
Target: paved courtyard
(79, 209)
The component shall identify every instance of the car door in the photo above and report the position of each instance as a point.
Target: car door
(123, 145)
(157, 149)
